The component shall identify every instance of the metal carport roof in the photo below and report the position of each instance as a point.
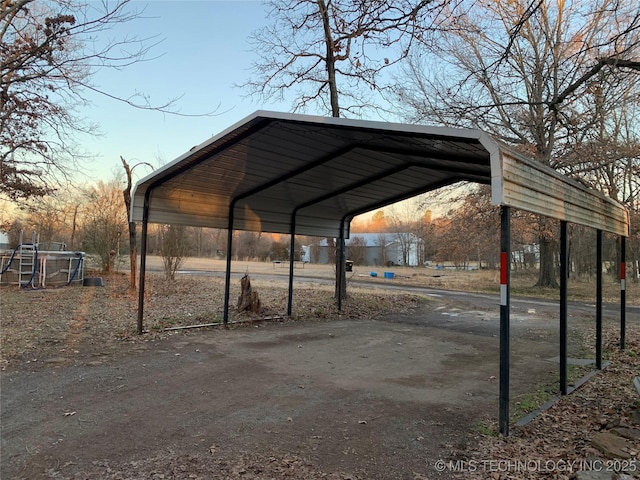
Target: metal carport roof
(272, 172)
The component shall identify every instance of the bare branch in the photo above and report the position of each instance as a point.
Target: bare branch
(594, 70)
(342, 44)
(49, 53)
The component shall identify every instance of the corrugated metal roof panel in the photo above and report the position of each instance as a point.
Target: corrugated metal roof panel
(529, 186)
(325, 170)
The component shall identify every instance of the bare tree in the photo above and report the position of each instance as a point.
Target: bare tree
(47, 219)
(55, 218)
(469, 233)
(606, 157)
(382, 242)
(126, 193)
(330, 53)
(527, 76)
(252, 245)
(378, 222)
(49, 52)
(103, 221)
(357, 250)
(404, 221)
(425, 230)
(175, 248)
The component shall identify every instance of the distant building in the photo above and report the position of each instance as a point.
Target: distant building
(528, 255)
(379, 249)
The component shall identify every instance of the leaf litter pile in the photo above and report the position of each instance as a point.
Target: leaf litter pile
(58, 326)
(593, 433)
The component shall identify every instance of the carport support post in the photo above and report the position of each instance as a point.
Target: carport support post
(340, 267)
(564, 264)
(143, 260)
(227, 273)
(623, 291)
(505, 275)
(292, 247)
(599, 299)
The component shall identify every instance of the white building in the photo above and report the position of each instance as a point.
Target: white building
(383, 249)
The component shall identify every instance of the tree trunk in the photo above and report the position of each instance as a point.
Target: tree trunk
(330, 60)
(547, 275)
(126, 193)
(248, 299)
(74, 227)
(133, 256)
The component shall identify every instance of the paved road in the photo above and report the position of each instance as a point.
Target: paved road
(480, 300)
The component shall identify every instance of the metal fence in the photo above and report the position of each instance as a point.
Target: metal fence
(28, 266)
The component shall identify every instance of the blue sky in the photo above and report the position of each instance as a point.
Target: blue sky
(204, 52)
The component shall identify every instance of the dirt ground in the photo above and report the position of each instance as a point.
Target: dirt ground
(337, 397)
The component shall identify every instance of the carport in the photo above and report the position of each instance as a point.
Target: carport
(307, 175)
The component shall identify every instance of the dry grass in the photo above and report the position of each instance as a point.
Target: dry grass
(484, 281)
(43, 324)
(59, 322)
(522, 284)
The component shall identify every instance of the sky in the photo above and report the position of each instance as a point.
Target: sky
(204, 52)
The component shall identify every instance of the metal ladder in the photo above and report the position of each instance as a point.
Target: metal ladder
(26, 274)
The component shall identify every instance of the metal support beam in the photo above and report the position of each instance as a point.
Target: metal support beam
(599, 299)
(564, 274)
(292, 250)
(340, 267)
(227, 273)
(623, 292)
(143, 261)
(505, 302)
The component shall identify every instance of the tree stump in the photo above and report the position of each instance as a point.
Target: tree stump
(248, 299)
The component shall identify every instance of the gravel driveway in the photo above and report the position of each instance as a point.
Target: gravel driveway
(362, 399)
